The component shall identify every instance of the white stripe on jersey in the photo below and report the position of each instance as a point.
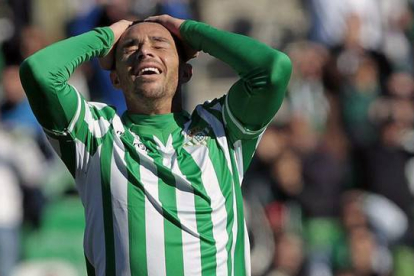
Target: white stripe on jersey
(238, 152)
(186, 211)
(78, 111)
(222, 140)
(119, 199)
(90, 188)
(82, 158)
(218, 130)
(234, 229)
(247, 250)
(154, 222)
(88, 175)
(237, 122)
(200, 155)
(99, 127)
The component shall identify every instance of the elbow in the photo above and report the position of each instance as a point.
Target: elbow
(283, 63)
(26, 74)
(24, 69)
(281, 71)
(31, 76)
(28, 68)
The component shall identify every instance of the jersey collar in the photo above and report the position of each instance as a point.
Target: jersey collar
(159, 122)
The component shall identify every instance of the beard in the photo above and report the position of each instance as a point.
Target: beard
(155, 89)
(150, 91)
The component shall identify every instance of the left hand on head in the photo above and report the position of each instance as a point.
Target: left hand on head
(173, 25)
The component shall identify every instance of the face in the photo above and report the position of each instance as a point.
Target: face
(147, 63)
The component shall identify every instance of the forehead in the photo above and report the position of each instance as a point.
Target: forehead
(143, 30)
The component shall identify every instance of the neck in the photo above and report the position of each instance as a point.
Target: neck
(150, 106)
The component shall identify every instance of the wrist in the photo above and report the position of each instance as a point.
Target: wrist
(118, 28)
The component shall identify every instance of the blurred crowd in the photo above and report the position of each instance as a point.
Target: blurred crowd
(330, 191)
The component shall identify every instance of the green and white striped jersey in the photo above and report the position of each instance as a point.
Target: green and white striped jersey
(161, 193)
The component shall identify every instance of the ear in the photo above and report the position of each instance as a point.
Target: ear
(186, 72)
(115, 79)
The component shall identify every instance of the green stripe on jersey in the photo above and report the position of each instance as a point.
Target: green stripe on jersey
(136, 211)
(239, 262)
(203, 210)
(187, 218)
(106, 156)
(224, 174)
(172, 226)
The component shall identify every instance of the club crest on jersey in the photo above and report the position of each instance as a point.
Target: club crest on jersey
(197, 136)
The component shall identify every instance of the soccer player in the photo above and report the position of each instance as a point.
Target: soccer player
(160, 187)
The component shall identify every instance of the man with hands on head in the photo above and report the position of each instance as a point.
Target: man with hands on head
(161, 188)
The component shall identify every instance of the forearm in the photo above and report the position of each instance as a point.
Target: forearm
(264, 72)
(44, 75)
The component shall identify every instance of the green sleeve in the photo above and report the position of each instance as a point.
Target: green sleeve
(45, 74)
(264, 74)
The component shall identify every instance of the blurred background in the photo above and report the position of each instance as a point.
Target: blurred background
(331, 188)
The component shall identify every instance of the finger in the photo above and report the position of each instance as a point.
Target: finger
(163, 19)
(156, 18)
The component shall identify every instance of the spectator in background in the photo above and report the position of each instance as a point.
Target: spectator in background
(376, 25)
(350, 110)
(323, 177)
(259, 182)
(331, 17)
(385, 164)
(21, 168)
(15, 109)
(289, 256)
(368, 257)
(396, 17)
(308, 102)
(15, 16)
(260, 233)
(176, 8)
(371, 223)
(32, 39)
(360, 90)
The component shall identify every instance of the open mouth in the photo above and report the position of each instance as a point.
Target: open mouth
(148, 71)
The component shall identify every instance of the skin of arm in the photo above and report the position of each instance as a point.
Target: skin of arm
(264, 72)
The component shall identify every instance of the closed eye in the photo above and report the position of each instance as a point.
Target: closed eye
(130, 50)
(160, 42)
(159, 47)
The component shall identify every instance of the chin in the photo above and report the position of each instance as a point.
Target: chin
(153, 90)
(150, 92)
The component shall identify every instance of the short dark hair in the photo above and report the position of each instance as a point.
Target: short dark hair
(178, 44)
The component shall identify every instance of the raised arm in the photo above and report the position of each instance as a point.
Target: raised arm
(45, 74)
(264, 72)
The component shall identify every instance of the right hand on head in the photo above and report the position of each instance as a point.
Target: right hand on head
(118, 28)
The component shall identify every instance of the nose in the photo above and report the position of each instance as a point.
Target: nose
(145, 52)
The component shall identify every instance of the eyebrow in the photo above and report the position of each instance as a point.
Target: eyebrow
(133, 41)
(160, 39)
